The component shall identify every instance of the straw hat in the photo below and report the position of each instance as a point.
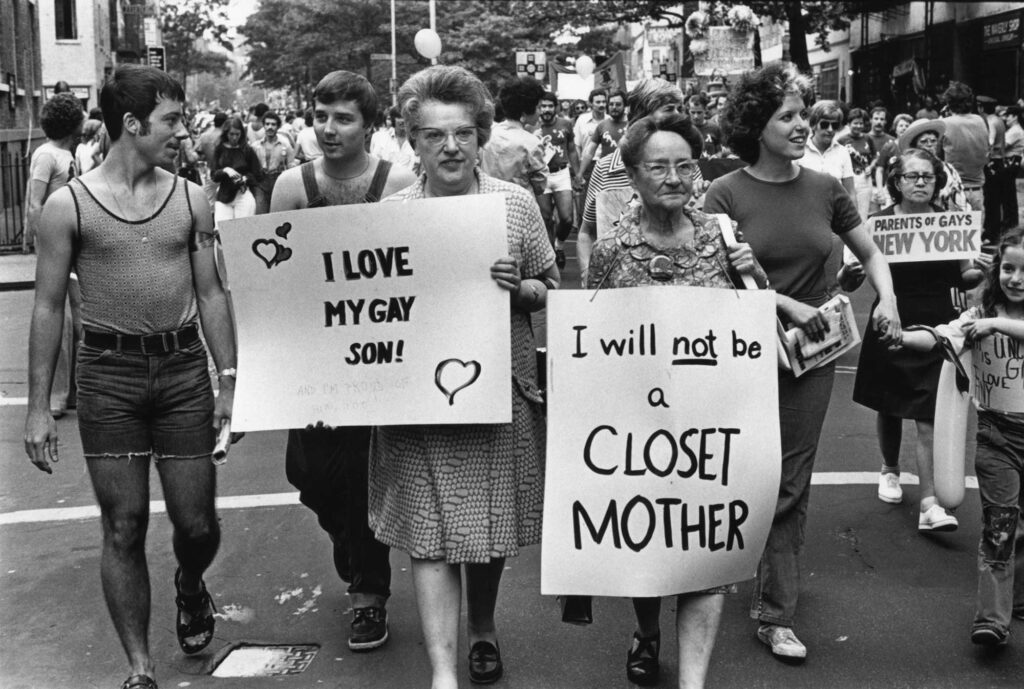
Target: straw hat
(918, 127)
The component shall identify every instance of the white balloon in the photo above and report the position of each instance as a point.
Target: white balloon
(428, 43)
(584, 66)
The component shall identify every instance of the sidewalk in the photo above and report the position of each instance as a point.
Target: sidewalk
(17, 271)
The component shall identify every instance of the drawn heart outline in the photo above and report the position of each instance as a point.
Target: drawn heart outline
(473, 374)
(280, 254)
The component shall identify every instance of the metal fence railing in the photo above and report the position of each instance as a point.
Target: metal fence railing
(13, 175)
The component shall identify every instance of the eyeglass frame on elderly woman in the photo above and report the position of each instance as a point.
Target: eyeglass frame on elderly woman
(439, 137)
(659, 170)
(914, 178)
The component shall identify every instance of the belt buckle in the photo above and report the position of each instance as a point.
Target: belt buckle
(163, 344)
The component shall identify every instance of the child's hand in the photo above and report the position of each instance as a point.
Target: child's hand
(979, 328)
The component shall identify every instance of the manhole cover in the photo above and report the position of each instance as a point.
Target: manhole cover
(266, 661)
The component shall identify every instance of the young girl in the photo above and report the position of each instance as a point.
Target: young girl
(999, 462)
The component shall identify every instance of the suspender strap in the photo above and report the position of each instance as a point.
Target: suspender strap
(309, 182)
(380, 178)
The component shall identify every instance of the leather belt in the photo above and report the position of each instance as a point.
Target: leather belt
(557, 168)
(153, 343)
(973, 188)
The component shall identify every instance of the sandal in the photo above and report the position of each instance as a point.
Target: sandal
(195, 618)
(139, 682)
(642, 662)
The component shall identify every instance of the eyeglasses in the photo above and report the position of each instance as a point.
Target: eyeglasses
(439, 137)
(685, 169)
(829, 124)
(914, 178)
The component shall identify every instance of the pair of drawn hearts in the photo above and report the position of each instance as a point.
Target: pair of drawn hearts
(270, 252)
(452, 375)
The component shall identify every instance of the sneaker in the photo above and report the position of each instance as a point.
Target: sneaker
(935, 518)
(889, 488)
(989, 635)
(559, 258)
(369, 628)
(782, 641)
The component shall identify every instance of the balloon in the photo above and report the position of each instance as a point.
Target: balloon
(428, 43)
(584, 66)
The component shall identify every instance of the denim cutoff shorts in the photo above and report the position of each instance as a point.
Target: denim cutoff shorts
(131, 404)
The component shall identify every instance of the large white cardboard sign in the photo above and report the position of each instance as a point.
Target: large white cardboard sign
(371, 314)
(927, 236)
(998, 364)
(663, 452)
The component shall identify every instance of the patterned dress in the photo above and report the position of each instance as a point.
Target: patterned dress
(467, 494)
(623, 260)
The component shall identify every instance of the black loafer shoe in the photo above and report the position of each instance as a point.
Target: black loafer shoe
(485, 663)
(642, 665)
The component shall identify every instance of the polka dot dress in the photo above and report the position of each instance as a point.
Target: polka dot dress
(471, 493)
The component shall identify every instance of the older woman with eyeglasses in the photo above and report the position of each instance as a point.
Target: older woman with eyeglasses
(467, 497)
(660, 242)
(903, 385)
(927, 136)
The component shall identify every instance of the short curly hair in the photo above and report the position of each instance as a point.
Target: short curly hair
(520, 97)
(896, 169)
(753, 100)
(62, 116)
(447, 84)
(631, 147)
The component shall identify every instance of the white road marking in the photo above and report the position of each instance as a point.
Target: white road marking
(237, 502)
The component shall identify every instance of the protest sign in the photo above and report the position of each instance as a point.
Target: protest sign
(927, 236)
(664, 453)
(371, 314)
(998, 364)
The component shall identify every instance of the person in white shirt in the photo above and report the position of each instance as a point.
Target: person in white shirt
(392, 143)
(823, 154)
(307, 148)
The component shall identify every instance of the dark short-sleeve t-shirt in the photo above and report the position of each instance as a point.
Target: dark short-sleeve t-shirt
(789, 225)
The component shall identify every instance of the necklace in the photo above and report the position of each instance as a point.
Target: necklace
(358, 174)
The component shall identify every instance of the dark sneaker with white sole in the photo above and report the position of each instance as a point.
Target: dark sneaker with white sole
(369, 628)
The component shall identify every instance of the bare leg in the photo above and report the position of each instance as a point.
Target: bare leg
(563, 201)
(647, 612)
(439, 597)
(547, 210)
(122, 491)
(482, 582)
(697, 618)
(890, 436)
(189, 488)
(926, 463)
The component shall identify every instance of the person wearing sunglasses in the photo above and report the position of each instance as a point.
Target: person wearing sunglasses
(660, 241)
(899, 384)
(824, 153)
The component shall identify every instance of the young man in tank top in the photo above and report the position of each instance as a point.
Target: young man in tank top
(329, 465)
(141, 240)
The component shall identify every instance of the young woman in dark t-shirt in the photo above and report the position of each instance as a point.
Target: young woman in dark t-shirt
(788, 215)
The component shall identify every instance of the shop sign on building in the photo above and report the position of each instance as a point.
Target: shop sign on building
(1001, 32)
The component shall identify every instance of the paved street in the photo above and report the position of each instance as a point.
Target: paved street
(883, 607)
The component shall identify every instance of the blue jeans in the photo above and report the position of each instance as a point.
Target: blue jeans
(999, 464)
(803, 403)
(132, 404)
(330, 469)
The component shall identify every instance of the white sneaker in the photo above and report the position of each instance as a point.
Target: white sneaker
(889, 489)
(935, 518)
(783, 642)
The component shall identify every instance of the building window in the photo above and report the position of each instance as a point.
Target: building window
(65, 18)
(828, 80)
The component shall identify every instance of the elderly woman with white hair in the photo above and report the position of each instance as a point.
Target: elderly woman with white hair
(647, 98)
